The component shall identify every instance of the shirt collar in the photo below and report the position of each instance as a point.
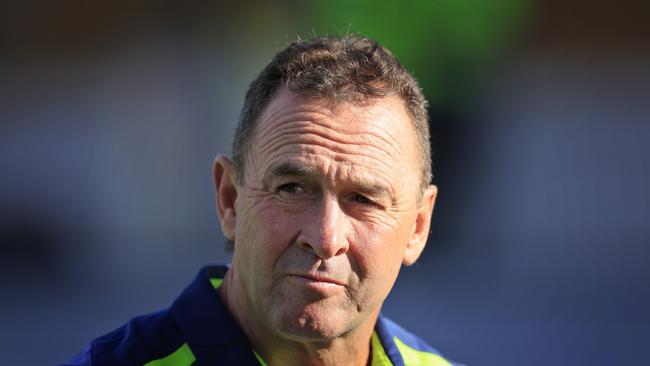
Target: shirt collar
(206, 325)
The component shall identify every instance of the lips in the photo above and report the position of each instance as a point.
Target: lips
(318, 278)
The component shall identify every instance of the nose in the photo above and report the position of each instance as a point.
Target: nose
(325, 229)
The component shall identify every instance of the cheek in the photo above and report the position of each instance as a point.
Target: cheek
(266, 231)
(378, 252)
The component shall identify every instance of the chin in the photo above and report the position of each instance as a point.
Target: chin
(309, 332)
(313, 325)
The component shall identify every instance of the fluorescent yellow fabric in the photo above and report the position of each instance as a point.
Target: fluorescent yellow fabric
(259, 358)
(181, 357)
(379, 356)
(216, 282)
(413, 357)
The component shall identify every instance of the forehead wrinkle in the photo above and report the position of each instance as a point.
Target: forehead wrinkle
(335, 154)
(305, 133)
(311, 122)
(339, 129)
(269, 116)
(316, 111)
(314, 116)
(313, 137)
(275, 123)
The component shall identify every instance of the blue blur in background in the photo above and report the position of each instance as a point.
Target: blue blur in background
(111, 114)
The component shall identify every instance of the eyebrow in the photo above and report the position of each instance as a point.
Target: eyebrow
(295, 170)
(291, 169)
(373, 189)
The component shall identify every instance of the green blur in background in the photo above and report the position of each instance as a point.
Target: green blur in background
(446, 44)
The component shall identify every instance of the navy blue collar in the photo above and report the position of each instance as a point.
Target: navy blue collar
(205, 323)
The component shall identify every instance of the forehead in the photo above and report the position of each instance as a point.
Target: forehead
(373, 139)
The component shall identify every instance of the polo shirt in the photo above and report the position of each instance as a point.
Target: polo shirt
(197, 330)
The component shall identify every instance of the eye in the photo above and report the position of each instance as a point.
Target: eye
(359, 198)
(291, 188)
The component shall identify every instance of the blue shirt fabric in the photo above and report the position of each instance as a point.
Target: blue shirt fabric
(199, 326)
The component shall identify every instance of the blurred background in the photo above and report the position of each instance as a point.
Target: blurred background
(111, 114)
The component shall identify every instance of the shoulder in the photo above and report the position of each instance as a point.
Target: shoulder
(406, 348)
(142, 339)
(196, 328)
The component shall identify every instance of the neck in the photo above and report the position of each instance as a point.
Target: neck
(276, 349)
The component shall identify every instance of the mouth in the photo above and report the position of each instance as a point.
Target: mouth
(318, 283)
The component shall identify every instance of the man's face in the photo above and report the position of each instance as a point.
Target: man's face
(326, 214)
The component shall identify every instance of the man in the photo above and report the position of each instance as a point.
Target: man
(327, 195)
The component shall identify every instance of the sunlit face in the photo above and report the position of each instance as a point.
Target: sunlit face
(325, 214)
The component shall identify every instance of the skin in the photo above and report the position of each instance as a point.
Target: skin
(325, 216)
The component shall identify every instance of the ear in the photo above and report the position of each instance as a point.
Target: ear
(226, 190)
(420, 232)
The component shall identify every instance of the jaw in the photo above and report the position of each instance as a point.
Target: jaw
(319, 320)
